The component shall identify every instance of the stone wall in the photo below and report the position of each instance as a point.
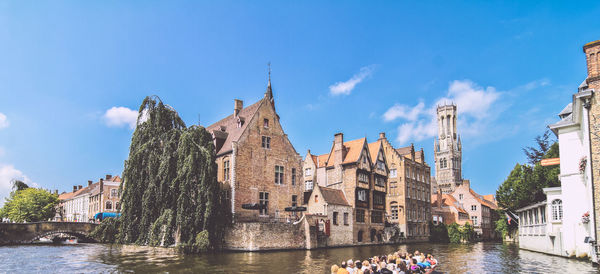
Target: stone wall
(266, 236)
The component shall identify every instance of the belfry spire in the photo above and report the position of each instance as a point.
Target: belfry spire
(269, 92)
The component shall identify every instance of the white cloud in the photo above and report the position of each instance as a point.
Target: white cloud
(345, 88)
(7, 174)
(121, 116)
(4, 123)
(474, 105)
(404, 112)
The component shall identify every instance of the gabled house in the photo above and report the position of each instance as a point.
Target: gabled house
(359, 170)
(334, 213)
(257, 164)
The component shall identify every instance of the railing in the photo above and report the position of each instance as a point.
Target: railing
(263, 219)
(533, 230)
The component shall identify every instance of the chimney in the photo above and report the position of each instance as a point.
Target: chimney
(467, 183)
(101, 185)
(382, 135)
(338, 148)
(591, 51)
(108, 176)
(79, 187)
(74, 188)
(89, 182)
(439, 198)
(238, 106)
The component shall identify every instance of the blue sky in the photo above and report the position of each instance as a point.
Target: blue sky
(356, 67)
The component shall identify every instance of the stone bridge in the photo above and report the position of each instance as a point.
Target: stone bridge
(23, 233)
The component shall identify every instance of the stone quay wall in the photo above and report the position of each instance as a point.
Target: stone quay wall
(258, 236)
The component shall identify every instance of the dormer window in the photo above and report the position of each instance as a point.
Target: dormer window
(266, 123)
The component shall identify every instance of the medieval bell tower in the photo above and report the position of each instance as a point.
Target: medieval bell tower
(448, 150)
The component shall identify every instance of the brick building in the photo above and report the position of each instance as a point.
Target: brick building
(592, 106)
(408, 190)
(334, 213)
(104, 195)
(358, 169)
(445, 209)
(257, 164)
(482, 212)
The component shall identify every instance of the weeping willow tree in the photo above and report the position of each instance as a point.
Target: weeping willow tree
(170, 191)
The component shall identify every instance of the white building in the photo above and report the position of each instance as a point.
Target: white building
(563, 225)
(75, 205)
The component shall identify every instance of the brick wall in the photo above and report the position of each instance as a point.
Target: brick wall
(591, 51)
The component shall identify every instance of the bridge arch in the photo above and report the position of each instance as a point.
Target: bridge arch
(23, 233)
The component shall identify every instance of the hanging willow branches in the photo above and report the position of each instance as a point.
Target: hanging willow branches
(170, 192)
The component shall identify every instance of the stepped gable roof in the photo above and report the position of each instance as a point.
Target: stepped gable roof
(374, 150)
(482, 200)
(333, 196)
(229, 125)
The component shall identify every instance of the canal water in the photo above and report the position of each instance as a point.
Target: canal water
(96, 258)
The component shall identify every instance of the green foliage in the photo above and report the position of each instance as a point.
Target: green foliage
(454, 233)
(30, 205)
(170, 189)
(535, 154)
(438, 233)
(107, 230)
(461, 234)
(525, 183)
(502, 227)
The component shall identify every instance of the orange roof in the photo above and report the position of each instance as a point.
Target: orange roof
(490, 197)
(449, 200)
(321, 160)
(314, 159)
(353, 149)
(374, 150)
(482, 200)
(66, 196)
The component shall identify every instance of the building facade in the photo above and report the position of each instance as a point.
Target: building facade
(447, 210)
(408, 190)
(592, 107)
(105, 195)
(257, 164)
(482, 212)
(447, 150)
(331, 208)
(359, 170)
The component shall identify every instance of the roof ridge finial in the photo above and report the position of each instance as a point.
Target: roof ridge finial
(269, 66)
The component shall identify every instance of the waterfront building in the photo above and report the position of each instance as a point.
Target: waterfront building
(105, 195)
(359, 170)
(591, 112)
(447, 149)
(408, 190)
(334, 214)
(256, 162)
(570, 207)
(447, 210)
(74, 205)
(482, 212)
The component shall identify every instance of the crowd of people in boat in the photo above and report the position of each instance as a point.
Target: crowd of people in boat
(397, 263)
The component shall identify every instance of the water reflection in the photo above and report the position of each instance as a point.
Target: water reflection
(477, 258)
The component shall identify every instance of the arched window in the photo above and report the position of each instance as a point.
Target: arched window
(360, 236)
(557, 212)
(118, 206)
(108, 205)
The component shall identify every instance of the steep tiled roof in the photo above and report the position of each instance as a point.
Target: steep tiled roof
(322, 159)
(374, 150)
(314, 159)
(490, 197)
(333, 196)
(353, 149)
(403, 150)
(449, 200)
(229, 125)
(482, 200)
